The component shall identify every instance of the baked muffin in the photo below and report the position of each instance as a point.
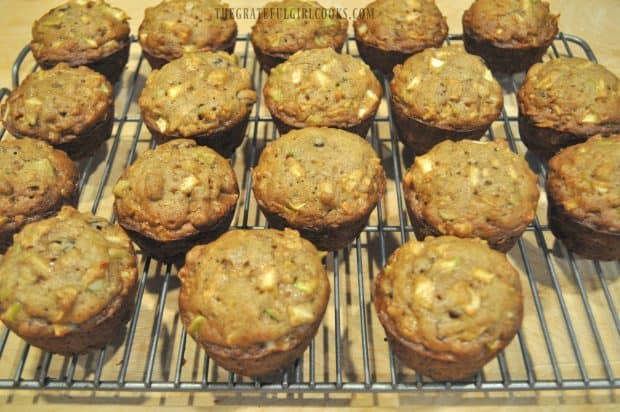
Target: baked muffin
(471, 189)
(83, 33)
(443, 94)
(583, 189)
(175, 27)
(67, 284)
(287, 26)
(175, 196)
(71, 108)
(448, 305)
(322, 182)
(254, 299)
(564, 101)
(324, 89)
(387, 32)
(510, 35)
(204, 96)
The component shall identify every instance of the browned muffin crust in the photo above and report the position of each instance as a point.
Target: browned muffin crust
(389, 31)
(174, 27)
(511, 35)
(448, 305)
(564, 101)
(287, 26)
(583, 187)
(254, 298)
(67, 284)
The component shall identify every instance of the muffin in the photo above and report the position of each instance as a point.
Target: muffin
(324, 89)
(387, 32)
(204, 96)
(564, 101)
(175, 27)
(443, 94)
(448, 305)
(67, 284)
(322, 182)
(583, 188)
(287, 26)
(254, 299)
(175, 196)
(471, 189)
(71, 108)
(510, 35)
(83, 33)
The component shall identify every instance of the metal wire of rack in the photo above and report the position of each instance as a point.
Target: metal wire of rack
(570, 304)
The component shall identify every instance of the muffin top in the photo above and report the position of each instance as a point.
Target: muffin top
(64, 271)
(571, 94)
(319, 175)
(472, 189)
(405, 26)
(448, 88)
(58, 104)
(202, 92)
(322, 88)
(34, 180)
(284, 27)
(175, 190)
(585, 181)
(450, 295)
(174, 27)
(80, 31)
(253, 287)
(511, 23)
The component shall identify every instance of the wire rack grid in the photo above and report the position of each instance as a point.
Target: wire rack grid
(569, 339)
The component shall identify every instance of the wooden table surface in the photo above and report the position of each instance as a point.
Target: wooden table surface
(595, 21)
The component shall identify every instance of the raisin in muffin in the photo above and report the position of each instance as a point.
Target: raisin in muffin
(448, 305)
(175, 196)
(510, 35)
(254, 299)
(442, 94)
(471, 189)
(564, 101)
(174, 27)
(287, 26)
(389, 31)
(67, 284)
(324, 89)
(71, 108)
(83, 33)
(204, 96)
(583, 188)
(322, 182)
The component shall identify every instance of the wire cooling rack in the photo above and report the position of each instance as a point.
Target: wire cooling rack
(570, 334)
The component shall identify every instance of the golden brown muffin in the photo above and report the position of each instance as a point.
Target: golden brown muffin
(35, 182)
(322, 88)
(175, 196)
(387, 32)
(175, 27)
(254, 299)
(471, 189)
(322, 182)
(67, 284)
(564, 101)
(448, 305)
(83, 33)
(583, 188)
(443, 94)
(70, 108)
(288, 26)
(510, 35)
(204, 96)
